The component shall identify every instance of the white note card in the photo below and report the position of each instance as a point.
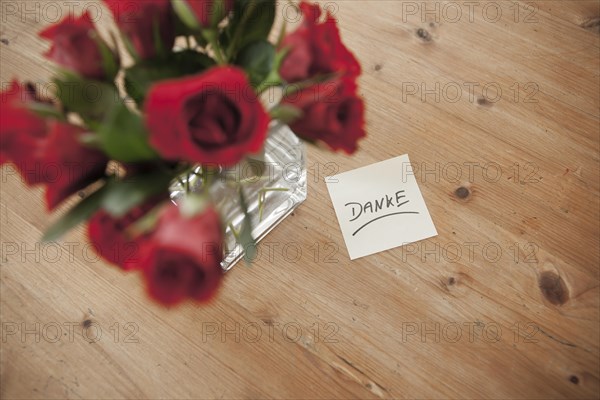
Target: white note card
(380, 207)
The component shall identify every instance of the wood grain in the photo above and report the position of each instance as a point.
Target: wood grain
(511, 181)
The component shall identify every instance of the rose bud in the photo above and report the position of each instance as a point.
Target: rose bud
(208, 12)
(182, 257)
(111, 239)
(332, 113)
(67, 165)
(140, 21)
(77, 46)
(211, 118)
(316, 49)
(22, 133)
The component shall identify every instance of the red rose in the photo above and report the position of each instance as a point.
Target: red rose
(210, 118)
(140, 20)
(22, 133)
(205, 9)
(68, 166)
(182, 257)
(76, 46)
(110, 240)
(316, 48)
(332, 113)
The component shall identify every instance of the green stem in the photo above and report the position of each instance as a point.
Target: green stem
(293, 88)
(236, 234)
(205, 181)
(212, 37)
(240, 28)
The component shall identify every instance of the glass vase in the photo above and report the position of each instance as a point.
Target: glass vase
(274, 184)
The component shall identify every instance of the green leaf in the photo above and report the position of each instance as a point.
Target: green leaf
(124, 195)
(46, 110)
(252, 21)
(218, 12)
(90, 99)
(185, 14)
(123, 136)
(273, 79)
(110, 61)
(140, 77)
(257, 59)
(189, 62)
(79, 213)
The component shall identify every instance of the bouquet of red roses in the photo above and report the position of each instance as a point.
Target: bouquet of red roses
(165, 111)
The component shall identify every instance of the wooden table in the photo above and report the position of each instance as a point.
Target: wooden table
(497, 104)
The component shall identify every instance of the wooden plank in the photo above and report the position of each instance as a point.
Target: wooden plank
(514, 268)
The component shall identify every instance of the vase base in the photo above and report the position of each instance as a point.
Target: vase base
(274, 186)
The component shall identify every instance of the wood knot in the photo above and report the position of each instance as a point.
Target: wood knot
(5, 41)
(483, 101)
(591, 24)
(378, 67)
(451, 281)
(424, 35)
(574, 379)
(462, 192)
(87, 323)
(553, 288)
